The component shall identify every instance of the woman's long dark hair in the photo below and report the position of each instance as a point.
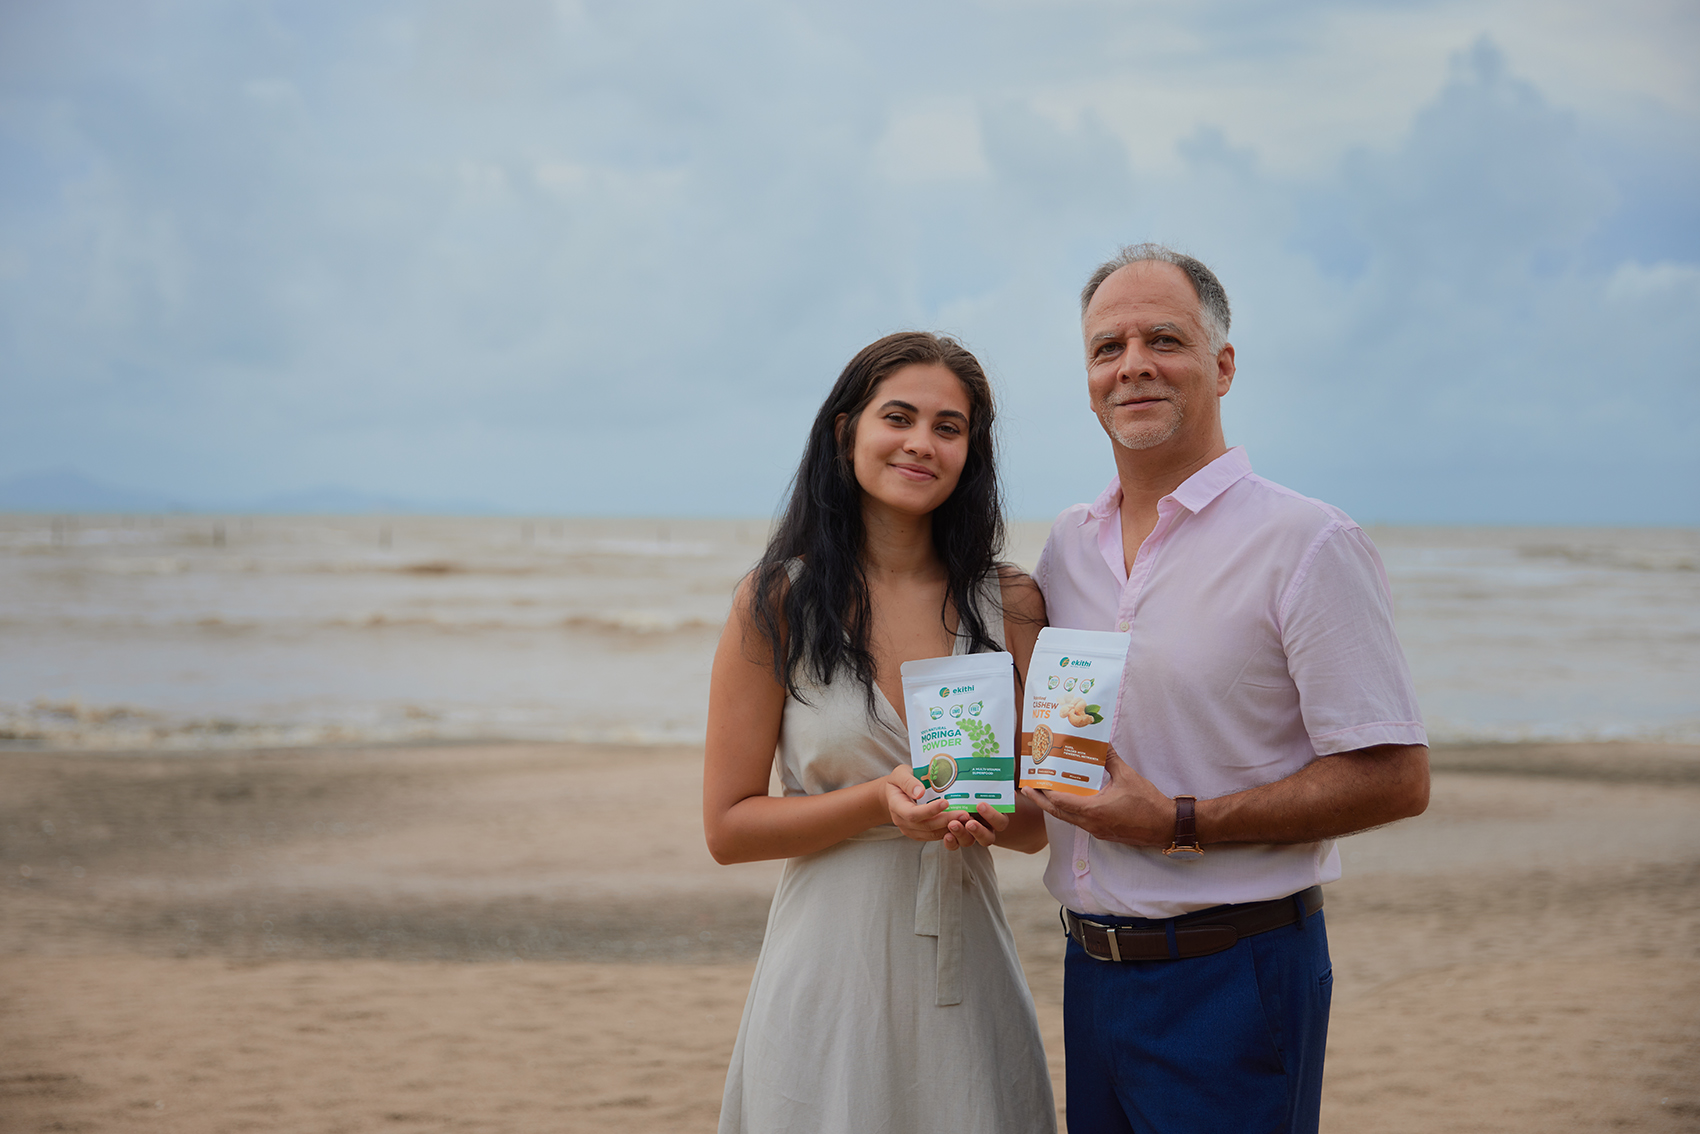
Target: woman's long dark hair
(818, 624)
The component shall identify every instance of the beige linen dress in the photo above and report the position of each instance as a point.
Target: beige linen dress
(888, 997)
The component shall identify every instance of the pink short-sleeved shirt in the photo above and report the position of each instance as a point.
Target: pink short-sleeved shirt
(1261, 638)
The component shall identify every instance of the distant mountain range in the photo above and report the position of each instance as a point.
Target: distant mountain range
(67, 490)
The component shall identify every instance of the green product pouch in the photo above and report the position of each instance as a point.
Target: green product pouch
(961, 712)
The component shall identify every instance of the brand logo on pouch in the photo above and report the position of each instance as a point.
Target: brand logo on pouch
(1063, 663)
(945, 692)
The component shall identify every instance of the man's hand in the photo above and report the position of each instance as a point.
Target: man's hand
(1128, 810)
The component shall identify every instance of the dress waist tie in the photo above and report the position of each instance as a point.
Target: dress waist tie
(938, 908)
(938, 913)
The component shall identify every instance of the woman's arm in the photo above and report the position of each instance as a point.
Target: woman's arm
(745, 704)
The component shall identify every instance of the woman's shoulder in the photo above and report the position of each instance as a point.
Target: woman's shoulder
(1022, 601)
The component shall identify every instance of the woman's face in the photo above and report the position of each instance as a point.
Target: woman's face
(912, 439)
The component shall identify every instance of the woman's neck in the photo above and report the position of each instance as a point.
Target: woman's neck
(897, 544)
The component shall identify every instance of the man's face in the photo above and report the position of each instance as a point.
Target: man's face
(1153, 379)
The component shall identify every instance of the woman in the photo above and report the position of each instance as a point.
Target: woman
(888, 995)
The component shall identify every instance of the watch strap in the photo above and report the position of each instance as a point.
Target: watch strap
(1186, 827)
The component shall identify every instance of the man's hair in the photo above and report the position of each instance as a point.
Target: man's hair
(1212, 297)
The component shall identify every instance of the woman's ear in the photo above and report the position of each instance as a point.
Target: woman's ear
(838, 430)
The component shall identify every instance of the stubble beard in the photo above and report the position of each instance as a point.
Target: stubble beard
(1150, 434)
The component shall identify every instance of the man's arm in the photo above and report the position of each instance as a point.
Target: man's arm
(1329, 797)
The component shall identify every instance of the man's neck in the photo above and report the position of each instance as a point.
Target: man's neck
(1148, 475)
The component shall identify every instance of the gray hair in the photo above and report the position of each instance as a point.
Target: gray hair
(1212, 297)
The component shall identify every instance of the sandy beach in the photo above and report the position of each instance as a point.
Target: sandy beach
(489, 938)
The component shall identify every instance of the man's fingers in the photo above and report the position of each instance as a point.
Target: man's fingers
(1057, 803)
(1042, 800)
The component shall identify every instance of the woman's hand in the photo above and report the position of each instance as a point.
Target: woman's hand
(983, 828)
(930, 822)
(923, 822)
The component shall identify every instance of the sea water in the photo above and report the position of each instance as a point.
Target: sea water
(200, 631)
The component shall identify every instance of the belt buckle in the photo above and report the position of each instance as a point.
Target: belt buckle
(1109, 933)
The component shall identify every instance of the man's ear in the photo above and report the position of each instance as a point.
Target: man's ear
(1224, 369)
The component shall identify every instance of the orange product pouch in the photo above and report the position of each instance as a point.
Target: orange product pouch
(1068, 710)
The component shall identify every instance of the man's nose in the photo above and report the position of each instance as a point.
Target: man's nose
(1135, 363)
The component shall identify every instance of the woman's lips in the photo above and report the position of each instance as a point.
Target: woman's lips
(915, 472)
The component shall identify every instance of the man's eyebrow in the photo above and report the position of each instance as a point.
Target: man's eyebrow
(1166, 328)
(894, 403)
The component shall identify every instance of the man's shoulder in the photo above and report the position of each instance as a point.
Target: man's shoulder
(1260, 501)
(1075, 519)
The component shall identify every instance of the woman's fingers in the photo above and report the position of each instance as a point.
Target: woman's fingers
(903, 778)
(921, 821)
(981, 829)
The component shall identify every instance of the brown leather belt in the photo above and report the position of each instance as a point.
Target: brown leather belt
(1190, 935)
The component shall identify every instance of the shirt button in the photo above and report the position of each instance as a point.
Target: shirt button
(1123, 625)
(1080, 864)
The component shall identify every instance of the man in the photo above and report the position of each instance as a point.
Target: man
(1266, 709)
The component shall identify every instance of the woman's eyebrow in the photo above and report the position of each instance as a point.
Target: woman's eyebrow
(894, 403)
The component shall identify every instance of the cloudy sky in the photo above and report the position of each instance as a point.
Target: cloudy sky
(606, 257)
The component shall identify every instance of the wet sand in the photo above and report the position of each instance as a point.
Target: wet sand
(475, 938)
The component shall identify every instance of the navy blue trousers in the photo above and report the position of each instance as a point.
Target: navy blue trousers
(1231, 1043)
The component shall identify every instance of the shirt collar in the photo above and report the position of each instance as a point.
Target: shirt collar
(1196, 491)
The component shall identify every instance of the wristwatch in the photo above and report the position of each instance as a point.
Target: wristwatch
(1185, 844)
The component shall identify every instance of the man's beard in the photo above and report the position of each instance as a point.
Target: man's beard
(1146, 435)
